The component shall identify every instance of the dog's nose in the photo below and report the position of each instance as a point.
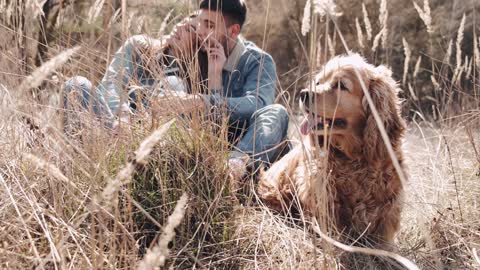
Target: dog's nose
(304, 96)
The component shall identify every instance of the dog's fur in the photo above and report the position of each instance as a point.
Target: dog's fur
(363, 190)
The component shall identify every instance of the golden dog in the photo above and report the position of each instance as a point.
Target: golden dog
(341, 139)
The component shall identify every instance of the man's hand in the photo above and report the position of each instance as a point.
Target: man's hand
(216, 61)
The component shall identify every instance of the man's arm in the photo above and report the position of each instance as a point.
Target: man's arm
(259, 90)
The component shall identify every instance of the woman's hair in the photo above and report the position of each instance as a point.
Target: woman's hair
(193, 66)
(235, 11)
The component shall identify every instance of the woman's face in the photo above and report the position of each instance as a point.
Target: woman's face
(184, 36)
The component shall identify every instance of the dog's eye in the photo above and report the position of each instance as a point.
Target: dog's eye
(340, 85)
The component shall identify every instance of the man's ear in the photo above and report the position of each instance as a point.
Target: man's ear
(234, 30)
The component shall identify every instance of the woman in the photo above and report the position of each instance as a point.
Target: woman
(142, 69)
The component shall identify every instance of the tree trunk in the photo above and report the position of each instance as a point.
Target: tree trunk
(42, 46)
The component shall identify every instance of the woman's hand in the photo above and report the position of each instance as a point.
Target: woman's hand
(183, 38)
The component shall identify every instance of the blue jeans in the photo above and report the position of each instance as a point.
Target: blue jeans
(265, 137)
(261, 140)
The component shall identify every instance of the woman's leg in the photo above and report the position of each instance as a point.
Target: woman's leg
(79, 93)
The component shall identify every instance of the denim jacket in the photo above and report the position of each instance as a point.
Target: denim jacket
(249, 80)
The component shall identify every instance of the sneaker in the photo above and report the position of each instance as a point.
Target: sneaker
(237, 168)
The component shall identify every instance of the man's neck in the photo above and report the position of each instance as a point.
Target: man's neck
(231, 46)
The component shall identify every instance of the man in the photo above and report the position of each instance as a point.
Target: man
(242, 79)
(241, 82)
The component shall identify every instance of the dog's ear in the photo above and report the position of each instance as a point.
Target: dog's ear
(383, 90)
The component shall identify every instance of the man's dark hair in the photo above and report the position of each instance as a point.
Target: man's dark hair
(234, 10)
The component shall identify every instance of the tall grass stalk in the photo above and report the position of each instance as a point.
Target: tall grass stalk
(157, 256)
(425, 14)
(38, 76)
(125, 174)
(417, 67)
(366, 21)
(359, 33)
(458, 44)
(383, 18)
(306, 17)
(408, 54)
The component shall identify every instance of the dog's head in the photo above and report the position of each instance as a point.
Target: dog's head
(336, 107)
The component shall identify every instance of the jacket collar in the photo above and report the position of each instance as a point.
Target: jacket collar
(235, 55)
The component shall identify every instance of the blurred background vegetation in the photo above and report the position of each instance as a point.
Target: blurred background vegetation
(276, 27)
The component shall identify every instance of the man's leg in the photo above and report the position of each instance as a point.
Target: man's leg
(262, 141)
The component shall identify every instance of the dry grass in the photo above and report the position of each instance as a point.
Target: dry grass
(425, 14)
(366, 21)
(440, 225)
(408, 54)
(90, 200)
(156, 257)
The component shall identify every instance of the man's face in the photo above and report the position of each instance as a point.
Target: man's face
(212, 25)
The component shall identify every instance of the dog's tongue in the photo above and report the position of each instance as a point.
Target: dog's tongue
(305, 126)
